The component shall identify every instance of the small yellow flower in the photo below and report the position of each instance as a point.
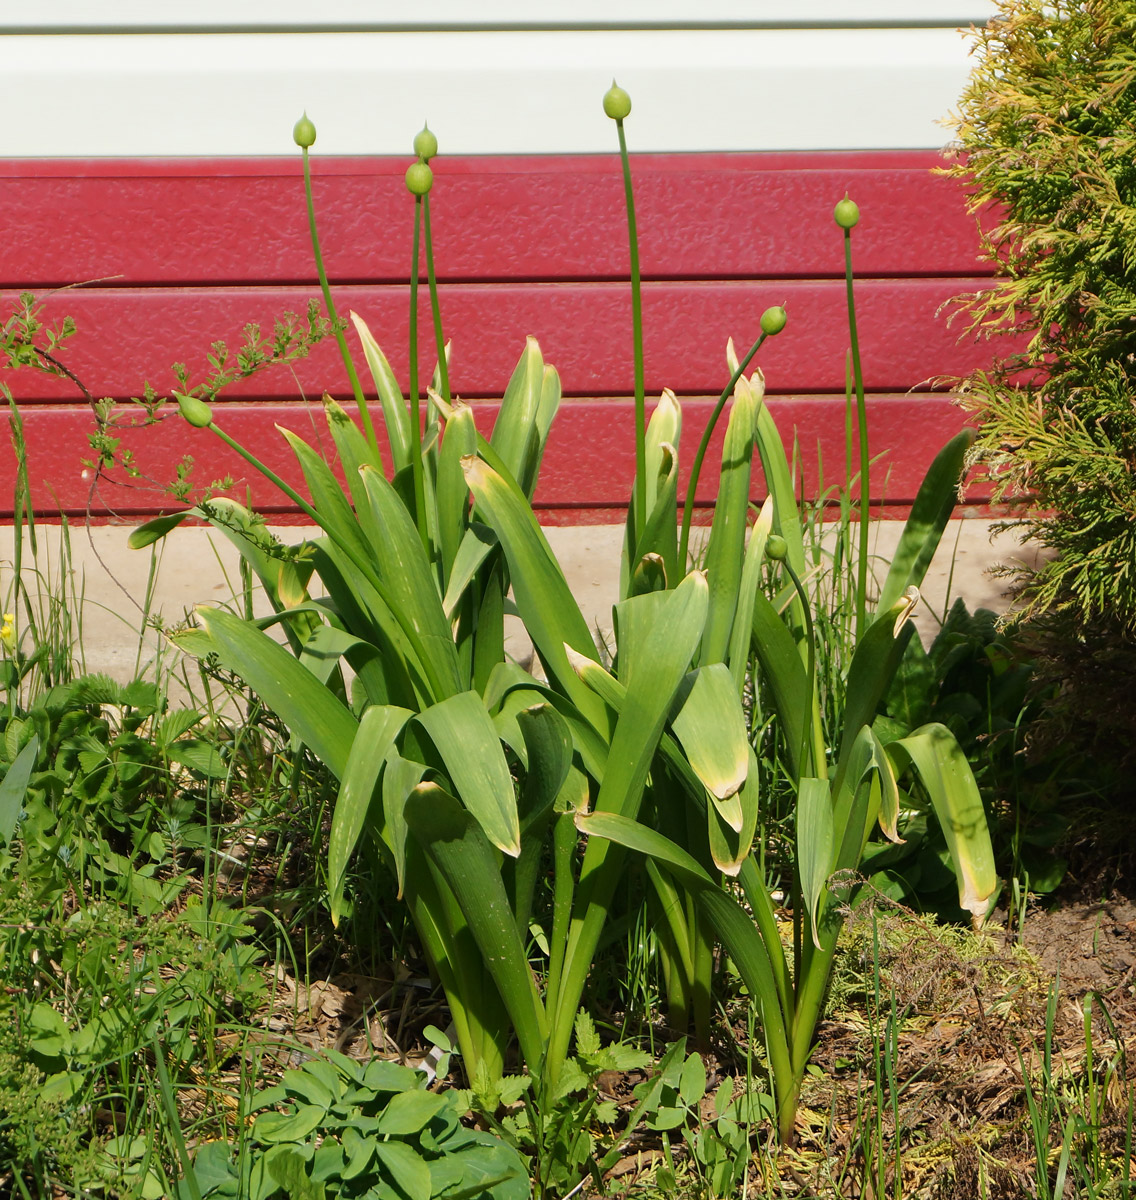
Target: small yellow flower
(8, 632)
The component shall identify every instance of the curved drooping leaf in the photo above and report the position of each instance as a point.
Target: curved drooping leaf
(711, 729)
(516, 436)
(816, 848)
(463, 734)
(410, 586)
(305, 705)
(934, 503)
(456, 843)
(396, 418)
(378, 727)
(725, 554)
(733, 924)
(729, 847)
(946, 775)
(544, 599)
(741, 635)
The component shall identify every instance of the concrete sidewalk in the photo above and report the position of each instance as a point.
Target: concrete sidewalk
(198, 566)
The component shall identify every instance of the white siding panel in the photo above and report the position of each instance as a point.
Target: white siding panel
(379, 14)
(139, 95)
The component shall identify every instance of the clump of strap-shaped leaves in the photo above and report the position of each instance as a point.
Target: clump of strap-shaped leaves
(704, 763)
(463, 766)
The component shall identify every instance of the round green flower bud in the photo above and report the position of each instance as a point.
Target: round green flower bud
(195, 411)
(847, 213)
(419, 179)
(773, 320)
(776, 547)
(304, 132)
(425, 144)
(616, 102)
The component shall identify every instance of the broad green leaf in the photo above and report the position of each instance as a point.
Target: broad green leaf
(354, 453)
(874, 664)
(815, 845)
(725, 554)
(408, 1113)
(515, 434)
(410, 586)
(934, 503)
(308, 1087)
(463, 734)
(545, 415)
(548, 744)
(544, 599)
(946, 775)
(359, 1151)
(378, 728)
(323, 649)
(779, 481)
(550, 783)
(400, 777)
(274, 1127)
(459, 441)
(711, 728)
(154, 530)
(358, 606)
(735, 928)
(405, 1167)
(651, 670)
(336, 517)
(307, 708)
(784, 673)
(458, 847)
(692, 1080)
(477, 544)
(741, 636)
(730, 848)
(15, 787)
(660, 531)
(511, 688)
(395, 414)
(869, 757)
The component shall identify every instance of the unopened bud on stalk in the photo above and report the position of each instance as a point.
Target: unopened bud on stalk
(425, 143)
(419, 179)
(195, 411)
(304, 132)
(616, 102)
(773, 320)
(846, 213)
(776, 547)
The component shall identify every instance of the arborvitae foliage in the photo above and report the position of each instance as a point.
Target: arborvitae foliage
(1047, 134)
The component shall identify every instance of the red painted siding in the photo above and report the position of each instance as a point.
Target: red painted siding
(186, 252)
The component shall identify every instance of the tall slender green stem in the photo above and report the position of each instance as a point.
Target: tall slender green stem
(704, 445)
(329, 304)
(862, 431)
(640, 501)
(270, 475)
(415, 397)
(435, 307)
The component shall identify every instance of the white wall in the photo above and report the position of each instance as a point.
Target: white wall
(127, 78)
